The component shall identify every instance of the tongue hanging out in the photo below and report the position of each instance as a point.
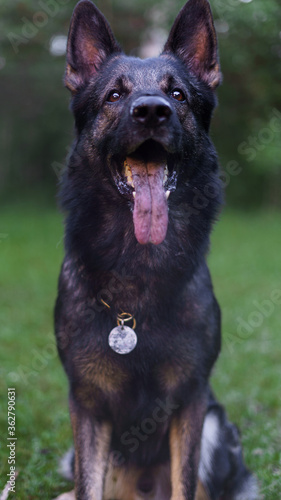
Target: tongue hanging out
(151, 208)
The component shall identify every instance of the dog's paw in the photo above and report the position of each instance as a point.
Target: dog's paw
(66, 496)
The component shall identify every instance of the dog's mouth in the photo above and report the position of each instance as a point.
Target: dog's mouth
(150, 177)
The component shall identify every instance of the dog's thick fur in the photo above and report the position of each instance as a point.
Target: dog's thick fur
(145, 424)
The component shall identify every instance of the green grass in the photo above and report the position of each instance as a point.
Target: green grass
(245, 265)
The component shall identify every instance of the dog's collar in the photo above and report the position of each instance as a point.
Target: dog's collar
(122, 339)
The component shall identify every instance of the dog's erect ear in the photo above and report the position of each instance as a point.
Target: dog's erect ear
(193, 39)
(90, 42)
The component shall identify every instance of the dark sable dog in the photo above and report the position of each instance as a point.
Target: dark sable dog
(137, 323)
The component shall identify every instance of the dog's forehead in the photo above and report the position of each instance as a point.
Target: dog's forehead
(142, 73)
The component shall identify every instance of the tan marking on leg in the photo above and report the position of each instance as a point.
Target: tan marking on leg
(201, 493)
(185, 440)
(102, 448)
(92, 447)
(178, 432)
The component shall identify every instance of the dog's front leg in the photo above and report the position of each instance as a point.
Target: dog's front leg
(92, 445)
(185, 437)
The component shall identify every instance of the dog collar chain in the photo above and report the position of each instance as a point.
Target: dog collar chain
(122, 339)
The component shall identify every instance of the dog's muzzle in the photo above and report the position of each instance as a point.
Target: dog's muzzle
(146, 169)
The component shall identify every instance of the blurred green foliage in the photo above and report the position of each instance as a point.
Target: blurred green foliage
(36, 126)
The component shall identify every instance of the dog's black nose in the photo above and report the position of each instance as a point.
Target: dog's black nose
(151, 111)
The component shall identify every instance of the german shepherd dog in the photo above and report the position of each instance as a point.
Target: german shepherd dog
(137, 323)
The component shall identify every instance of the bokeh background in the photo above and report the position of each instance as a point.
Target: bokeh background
(36, 130)
(36, 127)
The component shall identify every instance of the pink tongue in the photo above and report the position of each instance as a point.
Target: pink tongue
(151, 208)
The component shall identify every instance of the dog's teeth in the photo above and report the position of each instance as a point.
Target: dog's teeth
(167, 194)
(134, 194)
(128, 174)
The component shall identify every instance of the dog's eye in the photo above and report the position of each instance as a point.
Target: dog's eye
(178, 95)
(114, 96)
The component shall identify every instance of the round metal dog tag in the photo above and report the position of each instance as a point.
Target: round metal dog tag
(122, 339)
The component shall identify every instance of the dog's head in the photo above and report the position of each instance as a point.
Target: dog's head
(144, 122)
